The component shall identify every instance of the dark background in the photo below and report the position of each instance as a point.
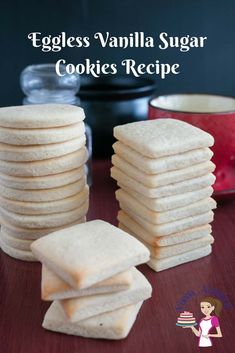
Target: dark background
(210, 69)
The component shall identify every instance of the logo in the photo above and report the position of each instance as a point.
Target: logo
(211, 305)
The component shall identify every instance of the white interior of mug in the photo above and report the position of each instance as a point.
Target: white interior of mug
(194, 103)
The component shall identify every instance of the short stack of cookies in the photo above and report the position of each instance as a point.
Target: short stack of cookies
(164, 172)
(88, 271)
(42, 175)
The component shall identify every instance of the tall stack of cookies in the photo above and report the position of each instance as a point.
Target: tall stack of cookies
(42, 175)
(96, 290)
(164, 172)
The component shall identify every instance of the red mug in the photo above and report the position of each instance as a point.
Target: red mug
(212, 113)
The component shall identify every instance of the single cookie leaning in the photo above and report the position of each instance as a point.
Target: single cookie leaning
(40, 116)
(151, 138)
(25, 137)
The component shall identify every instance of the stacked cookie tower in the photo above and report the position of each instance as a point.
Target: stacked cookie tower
(88, 271)
(42, 176)
(164, 172)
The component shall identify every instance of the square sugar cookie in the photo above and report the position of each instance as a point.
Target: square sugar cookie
(163, 264)
(162, 137)
(54, 288)
(173, 250)
(155, 217)
(112, 325)
(161, 179)
(82, 308)
(172, 239)
(88, 253)
(160, 230)
(163, 164)
(165, 190)
(161, 204)
(44, 116)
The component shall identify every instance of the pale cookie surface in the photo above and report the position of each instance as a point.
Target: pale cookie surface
(162, 137)
(156, 180)
(46, 207)
(172, 250)
(163, 164)
(40, 116)
(155, 217)
(16, 253)
(82, 308)
(46, 167)
(34, 233)
(95, 251)
(170, 202)
(151, 239)
(16, 243)
(53, 287)
(50, 220)
(113, 325)
(172, 227)
(163, 264)
(26, 137)
(43, 195)
(40, 152)
(162, 191)
(42, 182)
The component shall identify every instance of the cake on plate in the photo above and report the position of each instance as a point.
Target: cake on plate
(186, 319)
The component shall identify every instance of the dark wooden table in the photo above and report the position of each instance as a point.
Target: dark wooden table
(22, 311)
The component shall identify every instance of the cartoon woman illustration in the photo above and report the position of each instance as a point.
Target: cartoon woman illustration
(211, 307)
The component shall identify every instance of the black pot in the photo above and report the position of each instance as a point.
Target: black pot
(111, 101)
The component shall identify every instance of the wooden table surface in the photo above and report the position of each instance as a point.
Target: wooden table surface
(22, 311)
